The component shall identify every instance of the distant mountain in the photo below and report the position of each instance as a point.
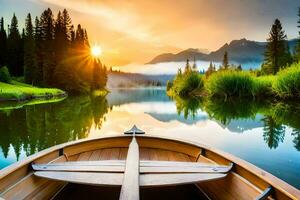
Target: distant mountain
(240, 51)
(181, 56)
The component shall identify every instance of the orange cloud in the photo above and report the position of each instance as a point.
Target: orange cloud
(138, 30)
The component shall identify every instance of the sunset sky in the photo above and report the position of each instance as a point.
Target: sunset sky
(137, 30)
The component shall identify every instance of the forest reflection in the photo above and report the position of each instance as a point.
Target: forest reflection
(34, 128)
(276, 116)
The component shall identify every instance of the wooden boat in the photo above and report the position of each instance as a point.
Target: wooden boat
(138, 167)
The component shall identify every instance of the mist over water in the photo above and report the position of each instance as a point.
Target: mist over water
(172, 67)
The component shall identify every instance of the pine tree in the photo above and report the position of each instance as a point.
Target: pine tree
(67, 27)
(38, 73)
(277, 53)
(86, 39)
(187, 68)
(225, 62)
(239, 68)
(47, 32)
(194, 65)
(3, 42)
(99, 75)
(14, 49)
(210, 69)
(297, 53)
(22, 50)
(179, 72)
(80, 37)
(60, 44)
(29, 51)
(72, 35)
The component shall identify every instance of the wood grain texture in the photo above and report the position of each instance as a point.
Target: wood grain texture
(130, 189)
(257, 178)
(231, 187)
(116, 179)
(145, 167)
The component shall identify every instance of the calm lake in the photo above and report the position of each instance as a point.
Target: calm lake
(266, 134)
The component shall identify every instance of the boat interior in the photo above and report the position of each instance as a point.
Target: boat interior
(140, 167)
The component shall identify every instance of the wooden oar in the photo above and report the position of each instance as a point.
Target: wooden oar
(130, 187)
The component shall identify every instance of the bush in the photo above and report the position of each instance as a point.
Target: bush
(287, 84)
(4, 75)
(231, 83)
(187, 84)
(263, 86)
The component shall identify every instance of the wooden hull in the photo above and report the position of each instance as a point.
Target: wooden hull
(244, 181)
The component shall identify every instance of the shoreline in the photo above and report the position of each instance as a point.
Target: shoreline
(20, 92)
(34, 97)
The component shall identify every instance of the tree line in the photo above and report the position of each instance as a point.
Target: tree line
(277, 55)
(50, 52)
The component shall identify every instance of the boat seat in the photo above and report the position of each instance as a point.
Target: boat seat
(145, 167)
(110, 172)
(132, 173)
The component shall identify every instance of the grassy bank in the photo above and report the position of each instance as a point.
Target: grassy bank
(239, 84)
(186, 84)
(242, 84)
(16, 91)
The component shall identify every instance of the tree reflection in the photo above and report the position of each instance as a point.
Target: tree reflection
(296, 140)
(188, 106)
(273, 132)
(276, 115)
(37, 127)
(232, 109)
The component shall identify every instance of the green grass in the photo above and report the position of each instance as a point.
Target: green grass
(287, 84)
(21, 91)
(186, 84)
(231, 84)
(242, 84)
(239, 84)
(263, 86)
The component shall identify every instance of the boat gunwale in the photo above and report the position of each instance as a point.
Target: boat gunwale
(270, 179)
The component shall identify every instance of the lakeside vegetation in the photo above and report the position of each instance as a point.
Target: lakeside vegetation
(278, 78)
(21, 91)
(231, 93)
(49, 53)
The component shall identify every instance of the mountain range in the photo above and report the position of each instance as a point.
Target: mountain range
(239, 51)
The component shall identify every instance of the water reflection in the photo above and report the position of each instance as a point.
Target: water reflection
(35, 128)
(264, 133)
(273, 132)
(276, 115)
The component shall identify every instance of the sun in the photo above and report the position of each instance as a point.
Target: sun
(96, 51)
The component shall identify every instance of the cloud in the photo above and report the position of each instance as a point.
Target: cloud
(137, 30)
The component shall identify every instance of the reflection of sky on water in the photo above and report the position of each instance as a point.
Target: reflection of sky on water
(155, 113)
(241, 137)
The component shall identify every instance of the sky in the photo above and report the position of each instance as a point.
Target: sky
(135, 31)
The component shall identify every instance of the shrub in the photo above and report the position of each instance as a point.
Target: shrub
(188, 83)
(4, 75)
(231, 83)
(263, 86)
(287, 84)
